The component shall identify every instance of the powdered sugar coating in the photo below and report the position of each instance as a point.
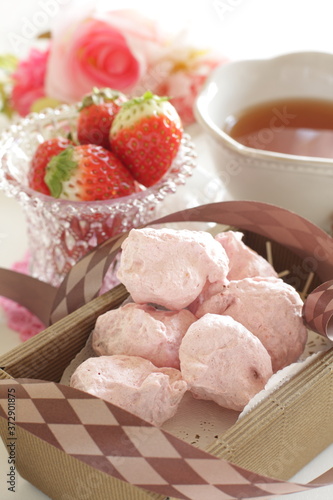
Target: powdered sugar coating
(170, 267)
(134, 384)
(222, 361)
(142, 330)
(268, 307)
(243, 261)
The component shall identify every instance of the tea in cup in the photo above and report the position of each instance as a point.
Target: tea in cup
(270, 127)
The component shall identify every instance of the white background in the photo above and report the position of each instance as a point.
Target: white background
(238, 28)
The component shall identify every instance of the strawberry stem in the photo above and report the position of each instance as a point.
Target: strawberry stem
(147, 96)
(99, 96)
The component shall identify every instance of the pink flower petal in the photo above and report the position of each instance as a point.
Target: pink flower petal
(97, 54)
(29, 80)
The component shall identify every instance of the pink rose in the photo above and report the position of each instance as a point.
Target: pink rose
(110, 52)
(126, 51)
(184, 82)
(29, 81)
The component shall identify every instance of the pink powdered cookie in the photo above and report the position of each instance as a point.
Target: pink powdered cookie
(142, 330)
(134, 384)
(268, 307)
(222, 361)
(170, 267)
(243, 261)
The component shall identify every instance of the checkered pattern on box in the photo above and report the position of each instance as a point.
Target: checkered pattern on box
(275, 223)
(127, 448)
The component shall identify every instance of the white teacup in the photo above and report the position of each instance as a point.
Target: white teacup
(302, 184)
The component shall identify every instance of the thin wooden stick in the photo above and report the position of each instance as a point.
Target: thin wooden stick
(269, 252)
(307, 285)
(282, 274)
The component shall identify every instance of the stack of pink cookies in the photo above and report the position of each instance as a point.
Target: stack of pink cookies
(209, 316)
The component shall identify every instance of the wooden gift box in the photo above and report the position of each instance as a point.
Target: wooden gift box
(276, 439)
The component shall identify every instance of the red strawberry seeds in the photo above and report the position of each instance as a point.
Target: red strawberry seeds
(146, 136)
(96, 116)
(88, 173)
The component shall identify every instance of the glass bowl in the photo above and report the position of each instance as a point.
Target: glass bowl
(60, 232)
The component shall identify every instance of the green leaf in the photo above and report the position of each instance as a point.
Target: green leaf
(8, 63)
(5, 106)
(43, 103)
(147, 96)
(60, 170)
(98, 96)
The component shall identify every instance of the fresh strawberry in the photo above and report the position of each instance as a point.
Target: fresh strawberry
(146, 135)
(88, 173)
(96, 115)
(43, 154)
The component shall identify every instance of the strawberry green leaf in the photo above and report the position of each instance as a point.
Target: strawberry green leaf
(59, 170)
(99, 96)
(146, 97)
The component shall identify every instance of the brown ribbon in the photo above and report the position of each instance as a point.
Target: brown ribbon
(84, 280)
(35, 295)
(280, 225)
(83, 283)
(169, 466)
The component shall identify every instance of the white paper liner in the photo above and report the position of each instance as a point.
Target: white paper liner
(199, 422)
(315, 345)
(196, 422)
